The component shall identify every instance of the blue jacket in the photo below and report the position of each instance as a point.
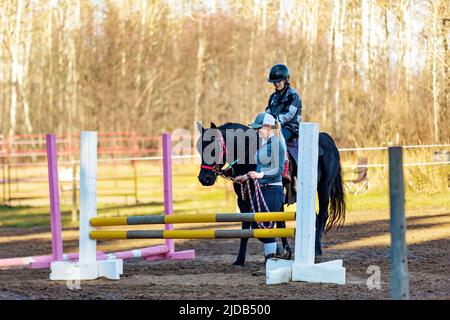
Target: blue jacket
(286, 107)
(270, 160)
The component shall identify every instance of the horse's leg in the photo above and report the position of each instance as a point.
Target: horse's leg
(284, 241)
(285, 251)
(321, 219)
(240, 260)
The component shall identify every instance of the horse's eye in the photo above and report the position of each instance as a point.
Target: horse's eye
(213, 138)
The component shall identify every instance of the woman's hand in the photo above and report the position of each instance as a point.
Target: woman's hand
(256, 175)
(240, 179)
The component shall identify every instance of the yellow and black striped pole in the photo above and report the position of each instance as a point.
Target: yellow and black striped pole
(191, 234)
(190, 218)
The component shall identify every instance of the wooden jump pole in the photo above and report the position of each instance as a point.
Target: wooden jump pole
(190, 218)
(192, 234)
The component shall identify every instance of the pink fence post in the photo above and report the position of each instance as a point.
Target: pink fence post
(168, 195)
(168, 205)
(55, 213)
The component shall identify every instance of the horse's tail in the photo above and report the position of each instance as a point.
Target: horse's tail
(337, 203)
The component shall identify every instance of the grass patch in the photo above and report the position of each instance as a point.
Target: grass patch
(211, 200)
(116, 190)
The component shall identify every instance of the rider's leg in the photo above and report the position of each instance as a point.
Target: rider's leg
(287, 134)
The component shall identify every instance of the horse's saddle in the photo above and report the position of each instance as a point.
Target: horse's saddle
(292, 147)
(291, 184)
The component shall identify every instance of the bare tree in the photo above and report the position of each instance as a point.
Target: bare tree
(366, 69)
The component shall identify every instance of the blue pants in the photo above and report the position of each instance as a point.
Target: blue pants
(274, 197)
(287, 134)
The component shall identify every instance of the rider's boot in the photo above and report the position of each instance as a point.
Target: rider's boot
(286, 174)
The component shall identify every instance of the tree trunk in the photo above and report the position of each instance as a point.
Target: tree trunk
(339, 30)
(24, 72)
(446, 74)
(50, 75)
(15, 67)
(435, 85)
(200, 70)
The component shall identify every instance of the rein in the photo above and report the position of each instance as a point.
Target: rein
(259, 198)
(244, 189)
(217, 168)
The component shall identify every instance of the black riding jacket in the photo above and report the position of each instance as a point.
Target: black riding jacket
(286, 107)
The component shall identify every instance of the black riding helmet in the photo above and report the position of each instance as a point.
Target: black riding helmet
(278, 72)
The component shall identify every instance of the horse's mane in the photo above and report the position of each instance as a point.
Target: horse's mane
(233, 125)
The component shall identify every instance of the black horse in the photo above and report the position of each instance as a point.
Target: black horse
(329, 185)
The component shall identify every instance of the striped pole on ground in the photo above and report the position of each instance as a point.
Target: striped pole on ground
(191, 234)
(190, 218)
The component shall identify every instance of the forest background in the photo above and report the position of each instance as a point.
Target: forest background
(368, 71)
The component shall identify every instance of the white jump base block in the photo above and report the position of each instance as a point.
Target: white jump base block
(281, 271)
(65, 270)
(325, 272)
(278, 271)
(303, 267)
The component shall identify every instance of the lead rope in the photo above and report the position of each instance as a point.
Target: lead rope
(258, 196)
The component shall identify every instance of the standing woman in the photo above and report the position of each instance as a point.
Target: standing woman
(269, 168)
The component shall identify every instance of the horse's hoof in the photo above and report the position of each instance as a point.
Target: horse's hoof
(258, 273)
(289, 251)
(238, 263)
(284, 253)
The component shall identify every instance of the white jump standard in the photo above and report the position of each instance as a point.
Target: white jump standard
(303, 267)
(88, 267)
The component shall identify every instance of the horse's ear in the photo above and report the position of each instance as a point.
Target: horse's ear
(199, 127)
(213, 125)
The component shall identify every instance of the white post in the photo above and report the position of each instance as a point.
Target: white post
(308, 154)
(88, 194)
(303, 267)
(87, 268)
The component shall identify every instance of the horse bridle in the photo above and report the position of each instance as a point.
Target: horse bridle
(217, 169)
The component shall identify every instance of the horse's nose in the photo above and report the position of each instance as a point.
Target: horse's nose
(208, 179)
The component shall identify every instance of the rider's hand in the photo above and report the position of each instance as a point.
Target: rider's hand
(256, 175)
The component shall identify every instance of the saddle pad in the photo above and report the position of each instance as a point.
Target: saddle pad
(292, 147)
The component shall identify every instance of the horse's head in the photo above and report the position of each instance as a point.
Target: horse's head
(212, 149)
